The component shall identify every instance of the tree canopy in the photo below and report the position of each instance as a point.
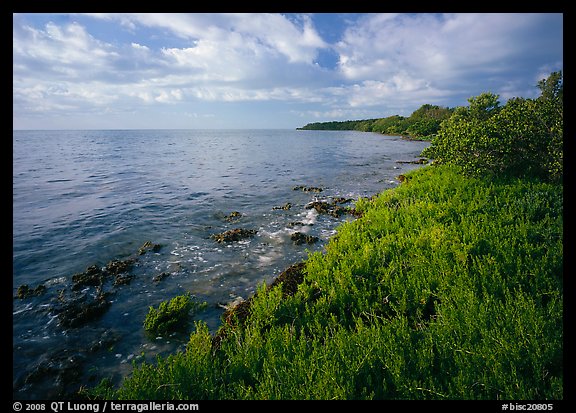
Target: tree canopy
(523, 138)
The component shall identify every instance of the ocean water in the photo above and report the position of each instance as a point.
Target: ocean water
(83, 198)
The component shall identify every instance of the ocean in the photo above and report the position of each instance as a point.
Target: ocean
(84, 199)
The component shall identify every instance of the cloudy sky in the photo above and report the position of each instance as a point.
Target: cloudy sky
(138, 71)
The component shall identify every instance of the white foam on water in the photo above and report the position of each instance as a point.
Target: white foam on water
(28, 307)
(275, 237)
(310, 217)
(269, 257)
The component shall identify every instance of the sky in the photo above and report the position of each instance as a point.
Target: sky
(270, 71)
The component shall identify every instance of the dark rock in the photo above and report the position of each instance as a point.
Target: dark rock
(116, 267)
(234, 216)
(237, 314)
(24, 291)
(298, 224)
(284, 207)
(300, 238)
(290, 278)
(160, 277)
(341, 200)
(323, 207)
(123, 279)
(80, 311)
(236, 234)
(307, 188)
(93, 276)
(149, 246)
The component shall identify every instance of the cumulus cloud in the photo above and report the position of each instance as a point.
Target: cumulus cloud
(246, 52)
(256, 32)
(378, 64)
(439, 55)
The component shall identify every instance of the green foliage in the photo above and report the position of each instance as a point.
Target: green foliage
(448, 287)
(423, 127)
(552, 88)
(171, 315)
(523, 138)
(483, 106)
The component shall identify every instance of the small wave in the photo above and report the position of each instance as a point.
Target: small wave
(53, 181)
(195, 195)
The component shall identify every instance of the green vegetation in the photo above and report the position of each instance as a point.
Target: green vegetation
(449, 286)
(422, 123)
(171, 315)
(523, 138)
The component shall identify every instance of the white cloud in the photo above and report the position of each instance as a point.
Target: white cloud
(400, 61)
(138, 46)
(256, 55)
(386, 63)
(258, 33)
(68, 49)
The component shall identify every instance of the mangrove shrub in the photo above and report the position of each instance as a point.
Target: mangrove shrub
(523, 138)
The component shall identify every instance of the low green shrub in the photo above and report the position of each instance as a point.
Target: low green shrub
(171, 315)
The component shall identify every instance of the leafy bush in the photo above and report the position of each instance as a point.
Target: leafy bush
(523, 138)
(170, 315)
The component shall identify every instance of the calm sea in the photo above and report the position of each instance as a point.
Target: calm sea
(83, 198)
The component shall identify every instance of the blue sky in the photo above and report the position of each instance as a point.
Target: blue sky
(214, 70)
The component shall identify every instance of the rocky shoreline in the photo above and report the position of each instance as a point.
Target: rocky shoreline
(87, 296)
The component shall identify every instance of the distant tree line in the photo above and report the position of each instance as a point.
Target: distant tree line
(523, 138)
(422, 123)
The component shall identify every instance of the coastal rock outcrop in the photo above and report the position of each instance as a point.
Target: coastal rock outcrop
(236, 234)
(299, 238)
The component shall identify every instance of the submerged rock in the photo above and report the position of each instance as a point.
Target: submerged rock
(235, 234)
(63, 368)
(123, 279)
(93, 276)
(284, 207)
(300, 238)
(24, 291)
(307, 188)
(323, 207)
(149, 246)
(116, 267)
(160, 277)
(234, 216)
(80, 311)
